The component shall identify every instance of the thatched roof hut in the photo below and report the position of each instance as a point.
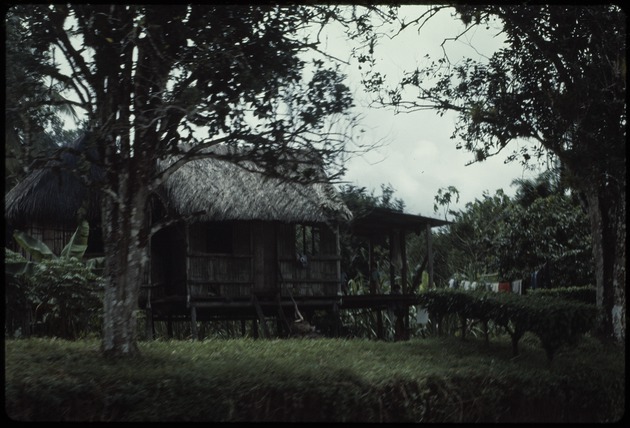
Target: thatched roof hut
(55, 193)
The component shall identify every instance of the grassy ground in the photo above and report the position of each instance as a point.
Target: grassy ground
(424, 380)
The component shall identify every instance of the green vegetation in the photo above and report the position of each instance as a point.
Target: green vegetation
(428, 380)
(55, 295)
(555, 321)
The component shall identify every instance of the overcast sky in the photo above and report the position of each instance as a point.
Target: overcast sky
(418, 157)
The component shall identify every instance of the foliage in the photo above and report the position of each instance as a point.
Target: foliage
(59, 295)
(360, 202)
(324, 380)
(553, 230)
(559, 84)
(514, 237)
(469, 244)
(33, 125)
(584, 294)
(67, 298)
(556, 322)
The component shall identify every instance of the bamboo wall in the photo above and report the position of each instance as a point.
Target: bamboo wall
(262, 259)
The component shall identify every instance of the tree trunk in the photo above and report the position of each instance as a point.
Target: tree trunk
(607, 212)
(126, 259)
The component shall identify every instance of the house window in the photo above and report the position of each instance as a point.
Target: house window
(307, 239)
(219, 238)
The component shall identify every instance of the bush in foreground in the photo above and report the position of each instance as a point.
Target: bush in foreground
(324, 380)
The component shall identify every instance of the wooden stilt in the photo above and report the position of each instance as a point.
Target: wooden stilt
(430, 255)
(149, 325)
(403, 283)
(283, 323)
(149, 315)
(337, 320)
(261, 317)
(255, 328)
(193, 323)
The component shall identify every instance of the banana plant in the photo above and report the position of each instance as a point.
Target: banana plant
(62, 291)
(38, 250)
(76, 247)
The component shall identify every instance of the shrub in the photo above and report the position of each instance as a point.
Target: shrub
(66, 297)
(584, 294)
(555, 321)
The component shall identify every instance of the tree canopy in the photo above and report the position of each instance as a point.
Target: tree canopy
(558, 84)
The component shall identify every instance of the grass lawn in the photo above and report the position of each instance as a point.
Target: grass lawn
(327, 380)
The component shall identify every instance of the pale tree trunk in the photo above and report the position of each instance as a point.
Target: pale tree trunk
(125, 240)
(607, 212)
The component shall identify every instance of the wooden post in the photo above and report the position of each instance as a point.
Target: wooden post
(403, 283)
(243, 332)
(392, 261)
(259, 258)
(405, 268)
(284, 327)
(337, 320)
(149, 315)
(373, 286)
(261, 316)
(255, 328)
(193, 323)
(394, 289)
(430, 255)
(338, 254)
(371, 267)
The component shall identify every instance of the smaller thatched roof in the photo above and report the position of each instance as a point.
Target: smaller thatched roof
(55, 193)
(228, 191)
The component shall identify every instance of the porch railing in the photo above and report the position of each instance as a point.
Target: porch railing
(211, 275)
(319, 277)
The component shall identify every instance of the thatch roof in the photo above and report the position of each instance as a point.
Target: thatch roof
(55, 193)
(219, 188)
(229, 191)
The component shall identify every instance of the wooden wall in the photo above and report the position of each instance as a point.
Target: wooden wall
(258, 257)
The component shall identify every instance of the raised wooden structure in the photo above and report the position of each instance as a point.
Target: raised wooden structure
(242, 270)
(256, 270)
(247, 245)
(381, 223)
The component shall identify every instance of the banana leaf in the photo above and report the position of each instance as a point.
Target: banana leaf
(78, 243)
(36, 248)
